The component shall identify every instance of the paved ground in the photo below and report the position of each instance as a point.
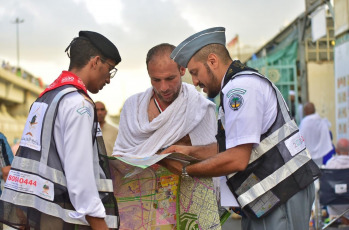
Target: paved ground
(232, 224)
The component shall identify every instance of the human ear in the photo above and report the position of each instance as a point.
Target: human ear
(182, 70)
(93, 61)
(212, 60)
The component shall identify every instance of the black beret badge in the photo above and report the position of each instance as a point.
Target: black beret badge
(236, 99)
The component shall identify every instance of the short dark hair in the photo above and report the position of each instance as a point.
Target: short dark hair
(159, 50)
(81, 50)
(218, 49)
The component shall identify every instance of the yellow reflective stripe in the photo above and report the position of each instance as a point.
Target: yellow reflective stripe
(54, 175)
(49, 208)
(275, 178)
(271, 141)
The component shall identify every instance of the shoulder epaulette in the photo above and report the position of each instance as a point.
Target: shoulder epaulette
(87, 98)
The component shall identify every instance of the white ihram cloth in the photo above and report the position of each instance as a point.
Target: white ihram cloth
(190, 113)
(316, 134)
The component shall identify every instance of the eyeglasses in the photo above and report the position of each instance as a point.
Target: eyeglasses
(113, 70)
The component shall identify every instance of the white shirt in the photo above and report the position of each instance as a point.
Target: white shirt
(245, 122)
(73, 137)
(316, 134)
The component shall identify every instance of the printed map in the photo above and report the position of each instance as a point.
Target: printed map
(149, 199)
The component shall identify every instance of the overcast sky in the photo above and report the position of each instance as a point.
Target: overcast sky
(134, 26)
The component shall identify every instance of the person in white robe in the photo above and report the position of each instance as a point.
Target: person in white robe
(167, 113)
(316, 133)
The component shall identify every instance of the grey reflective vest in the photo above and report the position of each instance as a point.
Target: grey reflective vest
(279, 167)
(36, 194)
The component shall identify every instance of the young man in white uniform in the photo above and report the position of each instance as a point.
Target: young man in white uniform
(262, 154)
(56, 181)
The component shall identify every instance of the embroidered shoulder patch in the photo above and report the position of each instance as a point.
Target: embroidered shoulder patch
(83, 109)
(235, 97)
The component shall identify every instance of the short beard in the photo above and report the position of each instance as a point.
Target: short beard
(170, 100)
(214, 86)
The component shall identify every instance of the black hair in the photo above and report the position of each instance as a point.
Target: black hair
(81, 50)
(218, 49)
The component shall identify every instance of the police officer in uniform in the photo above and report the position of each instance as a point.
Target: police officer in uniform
(59, 177)
(262, 155)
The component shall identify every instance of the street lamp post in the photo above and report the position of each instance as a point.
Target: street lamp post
(18, 21)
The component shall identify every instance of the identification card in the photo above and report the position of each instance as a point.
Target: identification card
(295, 144)
(29, 183)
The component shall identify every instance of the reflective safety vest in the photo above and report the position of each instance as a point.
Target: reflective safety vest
(279, 167)
(36, 194)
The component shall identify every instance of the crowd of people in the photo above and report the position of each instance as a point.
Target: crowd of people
(22, 74)
(61, 178)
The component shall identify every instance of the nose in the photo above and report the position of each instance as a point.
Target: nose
(163, 86)
(195, 81)
(108, 80)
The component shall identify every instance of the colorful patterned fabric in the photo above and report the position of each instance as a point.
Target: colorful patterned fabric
(157, 199)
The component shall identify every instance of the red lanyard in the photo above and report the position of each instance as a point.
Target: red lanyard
(66, 78)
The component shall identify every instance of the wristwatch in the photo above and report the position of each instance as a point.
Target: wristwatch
(184, 172)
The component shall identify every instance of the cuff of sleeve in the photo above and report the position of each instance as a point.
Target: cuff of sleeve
(95, 209)
(243, 140)
(79, 216)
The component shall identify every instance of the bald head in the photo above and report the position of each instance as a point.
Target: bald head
(159, 52)
(309, 108)
(342, 147)
(101, 112)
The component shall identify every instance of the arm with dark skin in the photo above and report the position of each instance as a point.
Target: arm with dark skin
(232, 160)
(97, 223)
(200, 152)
